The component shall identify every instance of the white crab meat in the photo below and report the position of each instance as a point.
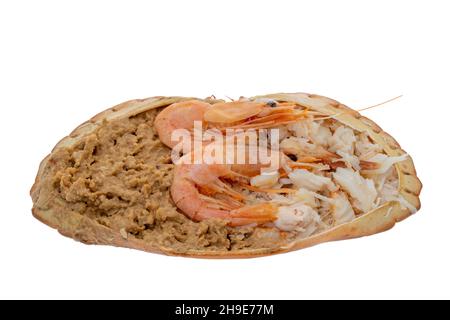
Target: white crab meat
(362, 190)
(301, 146)
(384, 163)
(292, 145)
(322, 136)
(306, 197)
(298, 217)
(282, 199)
(304, 179)
(389, 190)
(311, 130)
(265, 180)
(341, 208)
(301, 196)
(301, 129)
(364, 147)
(350, 160)
(343, 139)
(320, 189)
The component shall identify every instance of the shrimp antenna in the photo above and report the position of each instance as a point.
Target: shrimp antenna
(363, 109)
(379, 104)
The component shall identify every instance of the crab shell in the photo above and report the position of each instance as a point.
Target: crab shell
(380, 219)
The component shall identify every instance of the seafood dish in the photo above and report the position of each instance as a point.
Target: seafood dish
(209, 178)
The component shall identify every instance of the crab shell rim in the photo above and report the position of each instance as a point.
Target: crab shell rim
(382, 218)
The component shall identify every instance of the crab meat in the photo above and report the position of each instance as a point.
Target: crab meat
(341, 208)
(265, 180)
(304, 179)
(362, 190)
(301, 148)
(298, 217)
(384, 163)
(311, 130)
(306, 197)
(389, 190)
(343, 139)
(364, 147)
(350, 160)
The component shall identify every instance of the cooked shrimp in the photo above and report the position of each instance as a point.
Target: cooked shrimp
(179, 115)
(244, 114)
(233, 115)
(305, 151)
(202, 191)
(199, 192)
(251, 115)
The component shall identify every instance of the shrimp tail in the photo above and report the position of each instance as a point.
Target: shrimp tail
(261, 213)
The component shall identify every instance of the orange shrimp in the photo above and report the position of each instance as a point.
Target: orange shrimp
(241, 114)
(179, 115)
(203, 191)
(199, 192)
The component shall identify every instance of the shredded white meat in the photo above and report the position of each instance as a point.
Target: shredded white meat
(303, 196)
(312, 131)
(385, 163)
(350, 160)
(342, 140)
(365, 148)
(265, 180)
(301, 146)
(304, 179)
(390, 193)
(341, 208)
(388, 189)
(321, 192)
(298, 217)
(306, 197)
(362, 190)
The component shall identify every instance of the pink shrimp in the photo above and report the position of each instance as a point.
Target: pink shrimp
(202, 191)
(237, 114)
(199, 193)
(179, 115)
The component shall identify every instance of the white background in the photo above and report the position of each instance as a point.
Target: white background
(61, 62)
